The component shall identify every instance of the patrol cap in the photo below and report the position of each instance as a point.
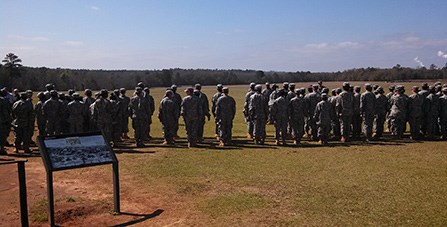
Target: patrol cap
(415, 88)
(220, 86)
(346, 84)
(104, 92)
(173, 86)
(189, 89)
(379, 89)
(315, 86)
(258, 87)
(252, 85)
(338, 90)
(274, 86)
(267, 83)
(297, 91)
(122, 89)
(53, 92)
(292, 85)
(75, 94)
(40, 95)
(29, 92)
(285, 83)
(225, 89)
(444, 89)
(140, 84)
(324, 96)
(146, 89)
(138, 89)
(325, 90)
(391, 87)
(368, 86)
(198, 86)
(23, 95)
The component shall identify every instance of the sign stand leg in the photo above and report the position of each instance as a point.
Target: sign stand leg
(50, 198)
(116, 187)
(23, 199)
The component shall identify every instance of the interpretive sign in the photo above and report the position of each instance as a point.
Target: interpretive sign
(69, 151)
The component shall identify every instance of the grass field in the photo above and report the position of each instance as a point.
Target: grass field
(383, 183)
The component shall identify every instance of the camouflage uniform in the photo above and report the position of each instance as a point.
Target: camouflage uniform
(356, 116)
(312, 100)
(116, 112)
(415, 114)
(344, 108)
(205, 111)
(124, 101)
(258, 111)
(139, 112)
(151, 102)
(280, 116)
(102, 115)
(214, 99)
(248, 120)
(433, 114)
(52, 109)
(367, 109)
(381, 110)
(323, 118)
(39, 117)
(398, 114)
(167, 114)
(5, 121)
(22, 113)
(191, 111)
(297, 113)
(76, 112)
(425, 107)
(177, 99)
(225, 111)
(335, 124)
(443, 114)
(271, 99)
(89, 125)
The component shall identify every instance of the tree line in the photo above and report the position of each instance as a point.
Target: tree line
(14, 75)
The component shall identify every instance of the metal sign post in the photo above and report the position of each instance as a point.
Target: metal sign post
(70, 151)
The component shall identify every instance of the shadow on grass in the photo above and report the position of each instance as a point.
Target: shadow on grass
(143, 218)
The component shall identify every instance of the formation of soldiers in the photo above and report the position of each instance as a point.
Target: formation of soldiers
(345, 112)
(316, 115)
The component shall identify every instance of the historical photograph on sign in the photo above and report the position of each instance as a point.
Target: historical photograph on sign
(78, 151)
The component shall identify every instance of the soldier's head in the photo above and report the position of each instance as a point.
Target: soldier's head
(357, 89)
(198, 87)
(23, 96)
(338, 91)
(140, 84)
(292, 86)
(267, 85)
(123, 91)
(258, 88)
(54, 94)
(391, 88)
(282, 92)
(219, 87)
(174, 88)
(88, 93)
(252, 86)
(368, 87)
(3, 92)
(77, 97)
(324, 96)
(302, 90)
(415, 89)
(346, 86)
(138, 90)
(41, 96)
(425, 86)
(375, 86)
(104, 93)
(432, 89)
(351, 88)
(49, 87)
(297, 91)
(274, 86)
(379, 90)
(444, 90)
(97, 95)
(285, 85)
(309, 89)
(315, 87)
(438, 88)
(113, 96)
(116, 92)
(147, 90)
(333, 93)
(196, 92)
(169, 94)
(189, 91)
(320, 83)
(16, 92)
(62, 96)
(225, 90)
(71, 92)
(29, 93)
(325, 90)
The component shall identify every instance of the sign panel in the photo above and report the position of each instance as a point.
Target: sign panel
(74, 151)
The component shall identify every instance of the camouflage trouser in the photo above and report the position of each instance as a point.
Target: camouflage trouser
(125, 124)
(41, 127)
(398, 126)
(169, 132)
(139, 126)
(116, 131)
(250, 126)
(4, 132)
(76, 126)
(53, 127)
(297, 128)
(357, 125)
(323, 132)
(378, 124)
(415, 126)
(191, 126)
(335, 124)
(106, 129)
(368, 124)
(431, 126)
(147, 134)
(345, 125)
(200, 127)
(313, 127)
(281, 129)
(259, 128)
(225, 130)
(444, 128)
(22, 136)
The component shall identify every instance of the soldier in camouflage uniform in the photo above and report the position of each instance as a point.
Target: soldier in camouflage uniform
(398, 112)
(344, 108)
(258, 111)
(271, 99)
(280, 116)
(214, 99)
(124, 104)
(167, 114)
(205, 111)
(52, 109)
(225, 111)
(5, 120)
(177, 99)
(38, 110)
(382, 109)
(323, 118)
(191, 111)
(433, 113)
(335, 125)
(424, 92)
(443, 113)
(312, 99)
(357, 116)
(88, 101)
(139, 112)
(102, 115)
(150, 99)
(22, 113)
(415, 113)
(116, 114)
(297, 113)
(76, 111)
(248, 120)
(388, 96)
(367, 110)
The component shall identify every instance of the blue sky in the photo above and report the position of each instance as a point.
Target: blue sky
(281, 35)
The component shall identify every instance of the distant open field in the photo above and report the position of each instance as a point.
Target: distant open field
(383, 183)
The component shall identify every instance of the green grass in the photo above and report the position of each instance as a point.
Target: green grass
(39, 211)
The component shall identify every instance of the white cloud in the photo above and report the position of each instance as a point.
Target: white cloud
(73, 43)
(417, 60)
(442, 54)
(17, 37)
(40, 38)
(95, 8)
